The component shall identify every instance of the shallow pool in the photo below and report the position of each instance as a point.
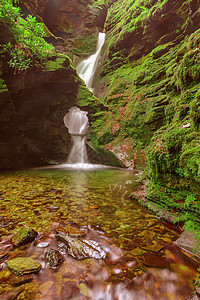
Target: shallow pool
(142, 262)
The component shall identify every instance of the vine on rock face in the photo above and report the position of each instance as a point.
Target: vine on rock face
(27, 48)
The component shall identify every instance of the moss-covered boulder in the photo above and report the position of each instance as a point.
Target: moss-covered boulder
(24, 236)
(23, 265)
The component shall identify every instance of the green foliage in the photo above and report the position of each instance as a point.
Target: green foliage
(189, 199)
(28, 48)
(106, 138)
(125, 16)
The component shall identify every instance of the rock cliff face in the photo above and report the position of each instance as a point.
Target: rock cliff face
(73, 25)
(33, 106)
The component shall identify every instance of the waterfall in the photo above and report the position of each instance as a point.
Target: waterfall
(76, 120)
(77, 123)
(87, 67)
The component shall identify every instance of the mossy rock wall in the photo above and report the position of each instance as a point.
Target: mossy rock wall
(149, 82)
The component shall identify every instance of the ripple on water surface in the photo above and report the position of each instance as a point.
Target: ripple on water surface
(141, 260)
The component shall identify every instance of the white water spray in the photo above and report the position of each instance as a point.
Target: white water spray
(87, 67)
(77, 123)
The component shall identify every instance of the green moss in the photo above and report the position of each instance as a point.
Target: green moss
(152, 99)
(84, 45)
(87, 100)
(161, 49)
(131, 15)
(61, 61)
(175, 150)
(105, 157)
(195, 110)
(54, 65)
(190, 160)
(23, 265)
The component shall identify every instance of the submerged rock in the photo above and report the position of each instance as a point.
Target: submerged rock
(24, 236)
(153, 260)
(23, 265)
(108, 209)
(4, 222)
(81, 249)
(19, 280)
(69, 290)
(54, 258)
(3, 255)
(154, 247)
(71, 231)
(5, 276)
(11, 295)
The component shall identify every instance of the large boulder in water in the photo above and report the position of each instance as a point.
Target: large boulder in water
(23, 265)
(81, 248)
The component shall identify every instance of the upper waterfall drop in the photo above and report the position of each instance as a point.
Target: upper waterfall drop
(87, 67)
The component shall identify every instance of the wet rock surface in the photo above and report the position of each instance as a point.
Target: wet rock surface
(54, 258)
(23, 265)
(42, 242)
(81, 248)
(24, 236)
(71, 231)
(15, 280)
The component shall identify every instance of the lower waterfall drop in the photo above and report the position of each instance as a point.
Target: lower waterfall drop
(77, 123)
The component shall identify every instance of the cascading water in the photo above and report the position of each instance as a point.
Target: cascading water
(77, 123)
(87, 67)
(76, 120)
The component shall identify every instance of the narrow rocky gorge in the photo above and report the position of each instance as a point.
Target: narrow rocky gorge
(144, 113)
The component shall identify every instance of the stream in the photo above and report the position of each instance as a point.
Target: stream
(142, 261)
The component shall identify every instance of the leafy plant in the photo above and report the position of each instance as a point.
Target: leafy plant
(28, 47)
(189, 199)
